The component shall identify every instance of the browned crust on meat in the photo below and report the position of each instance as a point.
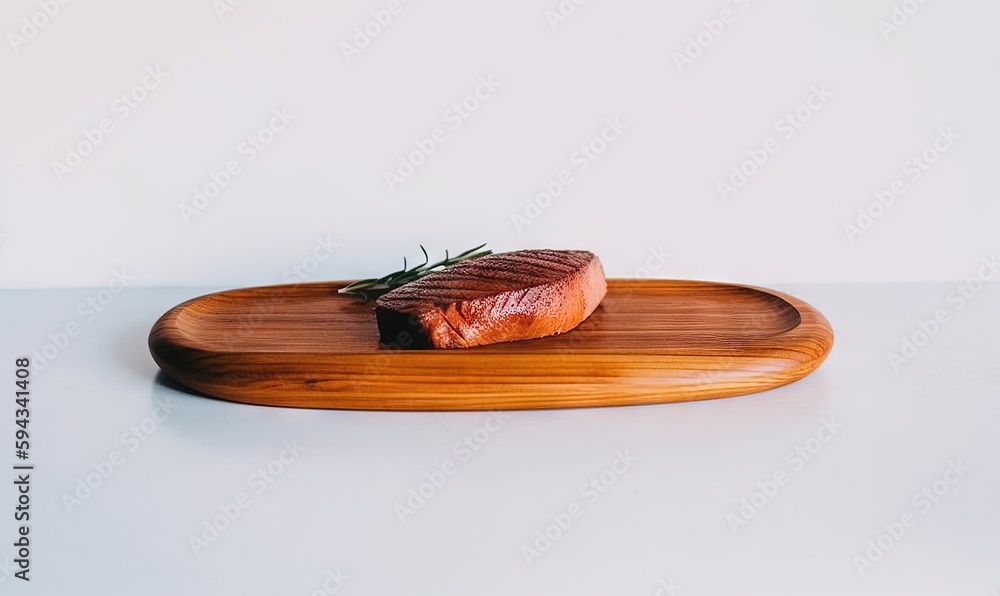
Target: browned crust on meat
(502, 297)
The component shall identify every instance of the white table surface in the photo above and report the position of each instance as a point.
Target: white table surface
(332, 508)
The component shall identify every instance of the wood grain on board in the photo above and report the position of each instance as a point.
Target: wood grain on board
(650, 341)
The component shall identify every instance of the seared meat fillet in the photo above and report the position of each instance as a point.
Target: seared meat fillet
(501, 297)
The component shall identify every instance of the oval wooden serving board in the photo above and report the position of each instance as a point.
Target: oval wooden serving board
(650, 341)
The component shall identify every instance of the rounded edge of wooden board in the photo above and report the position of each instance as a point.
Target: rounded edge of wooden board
(803, 349)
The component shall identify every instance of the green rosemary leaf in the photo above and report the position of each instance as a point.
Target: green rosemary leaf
(371, 288)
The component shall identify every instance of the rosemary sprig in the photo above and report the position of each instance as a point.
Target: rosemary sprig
(375, 287)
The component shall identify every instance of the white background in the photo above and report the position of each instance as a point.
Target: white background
(653, 189)
(315, 205)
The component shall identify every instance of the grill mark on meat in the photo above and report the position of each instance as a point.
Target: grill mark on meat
(525, 273)
(494, 276)
(446, 295)
(520, 299)
(545, 265)
(459, 283)
(500, 280)
(553, 262)
(458, 313)
(557, 258)
(449, 284)
(501, 297)
(458, 334)
(538, 263)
